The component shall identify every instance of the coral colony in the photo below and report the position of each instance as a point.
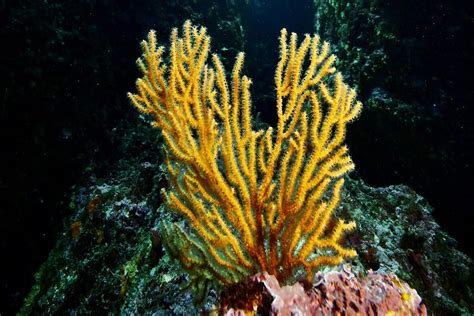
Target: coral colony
(254, 200)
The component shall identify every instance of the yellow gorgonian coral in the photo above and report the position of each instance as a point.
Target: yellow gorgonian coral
(254, 200)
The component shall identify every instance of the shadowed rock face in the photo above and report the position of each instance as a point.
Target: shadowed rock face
(408, 60)
(65, 70)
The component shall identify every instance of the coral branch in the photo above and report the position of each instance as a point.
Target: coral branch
(254, 200)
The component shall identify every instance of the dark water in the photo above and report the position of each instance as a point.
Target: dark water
(67, 66)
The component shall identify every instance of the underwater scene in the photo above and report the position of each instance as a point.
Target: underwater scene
(236, 157)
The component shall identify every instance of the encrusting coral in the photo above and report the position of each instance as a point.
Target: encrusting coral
(338, 292)
(255, 200)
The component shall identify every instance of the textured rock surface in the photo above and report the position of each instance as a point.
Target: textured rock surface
(408, 60)
(397, 234)
(114, 261)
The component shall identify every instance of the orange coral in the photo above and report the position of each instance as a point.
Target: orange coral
(256, 200)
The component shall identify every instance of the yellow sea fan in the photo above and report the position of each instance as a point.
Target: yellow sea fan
(255, 200)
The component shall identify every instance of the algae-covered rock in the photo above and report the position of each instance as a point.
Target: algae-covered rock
(110, 259)
(397, 233)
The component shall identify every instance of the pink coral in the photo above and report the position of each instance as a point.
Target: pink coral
(342, 293)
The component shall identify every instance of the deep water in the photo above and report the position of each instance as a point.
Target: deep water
(66, 67)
